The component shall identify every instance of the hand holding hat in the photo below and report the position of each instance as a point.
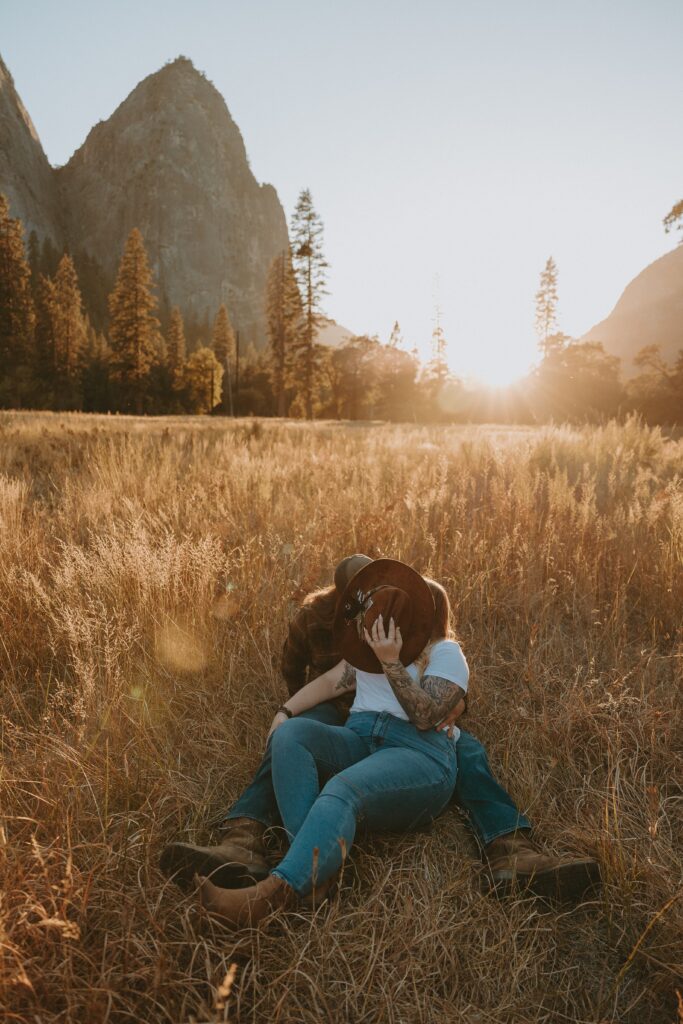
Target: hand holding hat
(385, 645)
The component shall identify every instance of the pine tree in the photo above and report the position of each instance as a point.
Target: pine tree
(251, 354)
(395, 338)
(437, 368)
(224, 347)
(95, 381)
(33, 250)
(17, 314)
(203, 376)
(674, 218)
(49, 257)
(176, 347)
(95, 286)
(45, 339)
(309, 266)
(134, 330)
(69, 324)
(550, 341)
(283, 315)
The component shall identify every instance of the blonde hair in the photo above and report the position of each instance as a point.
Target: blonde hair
(442, 629)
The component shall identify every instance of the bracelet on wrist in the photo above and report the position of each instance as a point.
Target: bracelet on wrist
(285, 711)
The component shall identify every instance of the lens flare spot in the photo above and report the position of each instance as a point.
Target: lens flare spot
(176, 649)
(136, 692)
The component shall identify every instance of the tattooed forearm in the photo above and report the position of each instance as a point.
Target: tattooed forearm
(447, 696)
(426, 703)
(347, 681)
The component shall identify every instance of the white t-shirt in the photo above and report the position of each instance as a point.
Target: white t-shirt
(374, 693)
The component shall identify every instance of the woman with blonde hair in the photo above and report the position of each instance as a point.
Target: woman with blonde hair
(387, 766)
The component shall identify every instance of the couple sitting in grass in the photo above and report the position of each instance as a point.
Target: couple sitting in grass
(392, 762)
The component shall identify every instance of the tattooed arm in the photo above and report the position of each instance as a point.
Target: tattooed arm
(427, 702)
(346, 682)
(333, 683)
(338, 680)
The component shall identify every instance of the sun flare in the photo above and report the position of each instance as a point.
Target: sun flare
(495, 365)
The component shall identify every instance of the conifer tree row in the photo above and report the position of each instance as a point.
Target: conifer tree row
(52, 357)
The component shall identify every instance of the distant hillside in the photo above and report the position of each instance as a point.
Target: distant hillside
(333, 334)
(649, 312)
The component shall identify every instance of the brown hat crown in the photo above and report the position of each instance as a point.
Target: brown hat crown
(391, 589)
(389, 603)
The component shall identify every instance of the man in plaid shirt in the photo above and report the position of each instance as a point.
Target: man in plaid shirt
(501, 829)
(307, 647)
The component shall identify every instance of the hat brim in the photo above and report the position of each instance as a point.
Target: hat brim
(387, 572)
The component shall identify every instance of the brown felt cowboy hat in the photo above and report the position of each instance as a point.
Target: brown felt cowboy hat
(391, 589)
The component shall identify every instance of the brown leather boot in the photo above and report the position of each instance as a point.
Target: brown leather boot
(516, 866)
(243, 907)
(238, 860)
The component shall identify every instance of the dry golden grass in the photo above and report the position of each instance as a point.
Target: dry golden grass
(131, 715)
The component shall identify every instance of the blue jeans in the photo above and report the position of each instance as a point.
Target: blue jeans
(383, 773)
(490, 809)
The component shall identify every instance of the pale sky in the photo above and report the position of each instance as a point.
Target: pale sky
(450, 146)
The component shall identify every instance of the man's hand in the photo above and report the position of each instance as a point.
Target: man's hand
(386, 646)
(450, 721)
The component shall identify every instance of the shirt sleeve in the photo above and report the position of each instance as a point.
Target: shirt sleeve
(296, 654)
(447, 661)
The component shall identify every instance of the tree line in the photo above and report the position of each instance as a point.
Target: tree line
(54, 355)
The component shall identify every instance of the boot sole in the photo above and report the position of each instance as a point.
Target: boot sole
(182, 861)
(568, 882)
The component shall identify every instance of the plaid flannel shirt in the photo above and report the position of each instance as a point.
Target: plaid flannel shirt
(308, 650)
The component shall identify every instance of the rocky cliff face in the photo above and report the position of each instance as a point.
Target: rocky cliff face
(649, 312)
(170, 161)
(26, 177)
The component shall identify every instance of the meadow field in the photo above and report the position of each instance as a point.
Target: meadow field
(148, 568)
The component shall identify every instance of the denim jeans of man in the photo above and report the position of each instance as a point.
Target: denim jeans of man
(490, 809)
(382, 773)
